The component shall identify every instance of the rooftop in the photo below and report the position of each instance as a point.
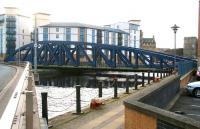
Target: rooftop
(75, 24)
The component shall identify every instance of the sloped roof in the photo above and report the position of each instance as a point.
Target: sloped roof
(75, 24)
(148, 40)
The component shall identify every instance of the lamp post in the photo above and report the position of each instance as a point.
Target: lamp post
(175, 28)
(35, 47)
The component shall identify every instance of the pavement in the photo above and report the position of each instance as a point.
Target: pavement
(9, 77)
(188, 106)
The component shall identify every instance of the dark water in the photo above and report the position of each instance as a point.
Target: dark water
(70, 80)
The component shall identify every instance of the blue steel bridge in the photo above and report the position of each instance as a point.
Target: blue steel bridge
(93, 55)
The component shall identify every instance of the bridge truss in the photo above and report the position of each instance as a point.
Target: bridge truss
(96, 55)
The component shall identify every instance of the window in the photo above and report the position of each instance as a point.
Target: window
(57, 29)
(45, 34)
(126, 39)
(68, 34)
(82, 35)
(57, 36)
(113, 38)
(106, 37)
(93, 36)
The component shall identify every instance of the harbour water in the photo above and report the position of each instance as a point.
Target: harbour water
(62, 95)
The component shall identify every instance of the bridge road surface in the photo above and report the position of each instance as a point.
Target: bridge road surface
(9, 77)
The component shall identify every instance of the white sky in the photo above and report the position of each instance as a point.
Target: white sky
(157, 16)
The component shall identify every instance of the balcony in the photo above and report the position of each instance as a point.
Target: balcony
(10, 19)
(10, 38)
(8, 25)
(1, 18)
(11, 32)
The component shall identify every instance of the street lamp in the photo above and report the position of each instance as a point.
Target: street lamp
(175, 28)
(35, 47)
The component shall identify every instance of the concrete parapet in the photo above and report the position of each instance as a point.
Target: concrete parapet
(144, 110)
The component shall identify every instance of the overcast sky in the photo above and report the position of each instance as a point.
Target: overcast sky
(157, 16)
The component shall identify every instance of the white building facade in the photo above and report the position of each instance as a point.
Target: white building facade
(14, 30)
(133, 28)
(82, 33)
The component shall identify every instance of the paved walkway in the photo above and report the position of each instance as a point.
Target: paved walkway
(108, 116)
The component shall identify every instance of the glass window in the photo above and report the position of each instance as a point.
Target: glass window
(57, 36)
(68, 34)
(45, 34)
(126, 39)
(82, 34)
(57, 29)
(93, 35)
(113, 38)
(106, 37)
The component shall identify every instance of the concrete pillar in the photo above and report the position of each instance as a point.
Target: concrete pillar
(29, 110)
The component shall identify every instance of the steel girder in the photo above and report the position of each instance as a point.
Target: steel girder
(97, 55)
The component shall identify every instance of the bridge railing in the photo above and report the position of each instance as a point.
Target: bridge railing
(185, 67)
(17, 108)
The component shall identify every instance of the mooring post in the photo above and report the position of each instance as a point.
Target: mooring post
(148, 77)
(44, 106)
(136, 81)
(100, 89)
(115, 89)
(164, 74)
(78, 99)
(127, 85)
(161, 75)
(29, 110)
(142, 79)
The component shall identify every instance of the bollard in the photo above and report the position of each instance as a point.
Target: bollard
(44, 106)
(136, 81)
(160, 74)
(29, 88)
(115, 89)
(29, 110)
(78, 99)
(164, 74)
(142, 79)
(127, 85)
(148, 77)
(153, 76)
(100, 89)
